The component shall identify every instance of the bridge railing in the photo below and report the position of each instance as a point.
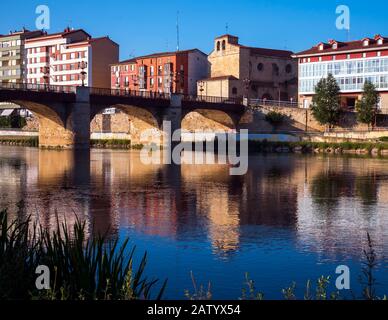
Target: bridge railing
(38, 87)
(212, 99)
(274, 103)
(129, 93)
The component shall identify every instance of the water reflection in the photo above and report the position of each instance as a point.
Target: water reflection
(314, 204)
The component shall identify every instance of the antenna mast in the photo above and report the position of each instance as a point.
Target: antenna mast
(177, 31)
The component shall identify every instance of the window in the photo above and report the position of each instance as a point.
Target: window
(275, 69)
(223, 44)
(288, 68)
(380, 42)
(234, 90)
(260, 67)
(218, 46)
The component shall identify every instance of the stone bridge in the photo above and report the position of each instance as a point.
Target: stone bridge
(65, 112)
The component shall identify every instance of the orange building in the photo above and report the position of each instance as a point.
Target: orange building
(167, 72)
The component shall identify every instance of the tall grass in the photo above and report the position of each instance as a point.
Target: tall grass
(81, 268)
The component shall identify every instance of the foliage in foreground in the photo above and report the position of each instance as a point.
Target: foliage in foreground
(81, 268)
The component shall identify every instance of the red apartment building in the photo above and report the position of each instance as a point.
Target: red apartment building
(351, 63)
(71, 57)
(166, 72)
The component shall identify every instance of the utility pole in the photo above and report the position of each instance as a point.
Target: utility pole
(177, 31)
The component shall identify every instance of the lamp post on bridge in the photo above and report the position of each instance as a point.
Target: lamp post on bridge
(46, 76)
(134, 79)
(201, 88)
(247, 85)
(83, 65)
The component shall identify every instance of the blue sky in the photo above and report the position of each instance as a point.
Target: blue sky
(142, 27)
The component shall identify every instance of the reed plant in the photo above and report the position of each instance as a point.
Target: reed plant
(81, 267)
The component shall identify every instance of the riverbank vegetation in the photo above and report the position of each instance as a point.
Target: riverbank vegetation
(82, 267)
(365, 148)
(113, 144)
(20, 141)
(14, 121)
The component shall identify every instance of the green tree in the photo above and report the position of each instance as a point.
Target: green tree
(367, 107)
(326, 106)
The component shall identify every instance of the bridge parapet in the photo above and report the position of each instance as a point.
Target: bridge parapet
(38, 87)
(274, 103)
(129, 93)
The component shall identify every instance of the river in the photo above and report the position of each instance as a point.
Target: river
(290, 218)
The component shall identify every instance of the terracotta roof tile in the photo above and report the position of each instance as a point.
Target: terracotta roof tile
(345, 46)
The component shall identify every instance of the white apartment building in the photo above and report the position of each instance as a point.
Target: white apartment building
(70, 58)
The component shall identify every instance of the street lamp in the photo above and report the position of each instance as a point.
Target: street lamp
(83, 65)
(201, 87)
(134, 79)
(46, 75)
(247, 85)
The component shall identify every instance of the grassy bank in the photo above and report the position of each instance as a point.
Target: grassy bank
(20, 141)
(371, 148)
(113, 144)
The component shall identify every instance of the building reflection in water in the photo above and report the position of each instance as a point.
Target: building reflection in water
(323, 201)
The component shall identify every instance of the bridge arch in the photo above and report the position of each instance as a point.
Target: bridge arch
(55, 125)
(208, 120)
(138, 120)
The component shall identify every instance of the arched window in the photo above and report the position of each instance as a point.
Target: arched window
(234, 90)
(275, 69)
(266, 96)
(223, 44)
(260, 67)
(288, 68)
(218, 46)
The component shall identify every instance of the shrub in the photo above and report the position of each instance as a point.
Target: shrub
(275, 118)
